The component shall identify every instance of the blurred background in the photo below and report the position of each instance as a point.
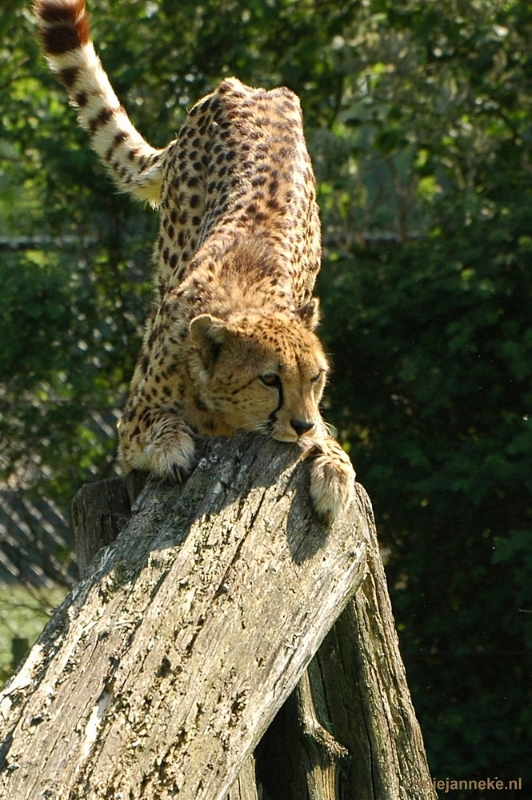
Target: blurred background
(418, 119)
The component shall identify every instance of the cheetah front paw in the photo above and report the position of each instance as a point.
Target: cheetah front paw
(332, 479)
(166, 447)
(171, 453)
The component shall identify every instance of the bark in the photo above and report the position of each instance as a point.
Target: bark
(245, 786)
(357, 734)
(99, 513)
(160, 673)
(349, 731)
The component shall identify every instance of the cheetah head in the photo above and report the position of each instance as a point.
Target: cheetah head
(261, 373)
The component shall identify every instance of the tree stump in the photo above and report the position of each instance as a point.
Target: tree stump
(162, 671)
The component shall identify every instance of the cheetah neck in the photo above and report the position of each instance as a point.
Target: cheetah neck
(242, 275)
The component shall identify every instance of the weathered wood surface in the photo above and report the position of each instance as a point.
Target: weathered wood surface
(164, 667)
(99, 512)
(349, 731)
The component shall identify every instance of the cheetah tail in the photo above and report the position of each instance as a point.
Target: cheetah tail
(132, 162)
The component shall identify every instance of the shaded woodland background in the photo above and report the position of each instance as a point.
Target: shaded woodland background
(418, 118)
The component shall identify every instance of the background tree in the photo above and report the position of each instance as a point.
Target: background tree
(418, 119)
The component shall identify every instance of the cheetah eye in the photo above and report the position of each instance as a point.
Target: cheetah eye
(270, 379)
(316, 378)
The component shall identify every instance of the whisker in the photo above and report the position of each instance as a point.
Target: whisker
(262, 427)
(330, 429)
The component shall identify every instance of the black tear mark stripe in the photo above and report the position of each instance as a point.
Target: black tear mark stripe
(273, 416)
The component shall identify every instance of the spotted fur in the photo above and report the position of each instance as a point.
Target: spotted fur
(230, 344)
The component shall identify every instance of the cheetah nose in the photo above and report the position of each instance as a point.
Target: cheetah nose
(301, 426)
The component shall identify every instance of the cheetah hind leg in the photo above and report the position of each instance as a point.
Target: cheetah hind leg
(332, 479)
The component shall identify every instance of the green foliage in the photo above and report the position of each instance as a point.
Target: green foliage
(24, 610)
(432, 344)
(418, 118)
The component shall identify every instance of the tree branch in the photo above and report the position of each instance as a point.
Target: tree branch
(162, 670)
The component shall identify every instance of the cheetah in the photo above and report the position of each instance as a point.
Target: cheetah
(230, 343)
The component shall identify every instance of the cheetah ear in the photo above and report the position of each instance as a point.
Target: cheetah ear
(309, 314)
(208, 334)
